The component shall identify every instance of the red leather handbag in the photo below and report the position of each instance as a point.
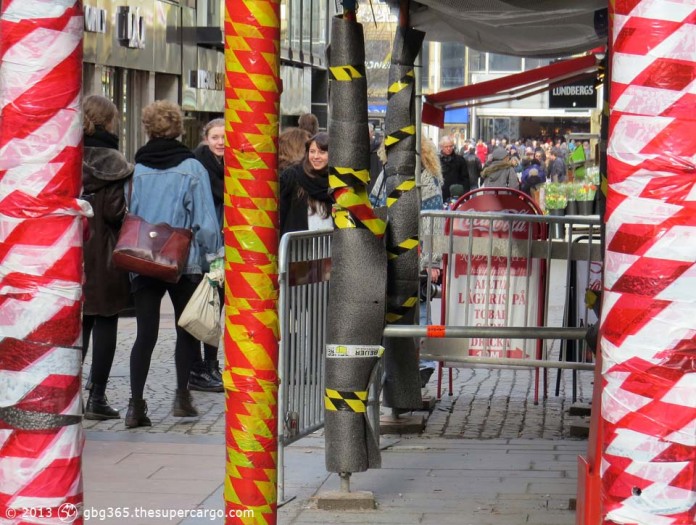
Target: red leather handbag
(155, 250)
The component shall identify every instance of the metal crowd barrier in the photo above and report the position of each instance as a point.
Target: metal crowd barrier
(304, 271)
(488, 314)
(304, 266)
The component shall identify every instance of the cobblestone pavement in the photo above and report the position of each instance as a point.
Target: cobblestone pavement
(485, 403)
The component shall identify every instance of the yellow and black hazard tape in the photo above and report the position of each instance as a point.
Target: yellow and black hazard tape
(397, 313)
(347, 73)
(399, 135)
(404, 246)
(341, 400)
(401, 84)
(343, 218)
(397, 192)
(340, 177)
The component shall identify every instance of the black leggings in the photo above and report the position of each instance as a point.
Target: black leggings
(103, 331)
(148, 299)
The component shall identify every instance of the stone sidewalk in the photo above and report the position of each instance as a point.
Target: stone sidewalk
(488, 454)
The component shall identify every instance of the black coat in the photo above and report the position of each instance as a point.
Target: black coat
(474, 167)
(294, 201)
(454, 171)
(104, 174)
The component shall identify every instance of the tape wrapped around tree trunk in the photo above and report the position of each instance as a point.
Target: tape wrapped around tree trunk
(41, 261)
(649, 306)
(358, 276)
(250, 376)
(402, 379)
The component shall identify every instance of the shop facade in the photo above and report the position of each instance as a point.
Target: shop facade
(138, 51)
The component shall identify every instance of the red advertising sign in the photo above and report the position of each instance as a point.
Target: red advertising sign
(490, 284)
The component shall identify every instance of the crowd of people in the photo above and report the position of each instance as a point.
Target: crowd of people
(185, 188)
(170, 183)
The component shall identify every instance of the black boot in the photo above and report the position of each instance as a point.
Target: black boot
(98, 406)
(202, 380)
(213, 367)
(183, 406)
(137, 414)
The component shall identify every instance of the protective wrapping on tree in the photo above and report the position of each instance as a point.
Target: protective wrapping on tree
(358, 276)
(250, 376)
(40, 261)
(402, 382)
(648, 344)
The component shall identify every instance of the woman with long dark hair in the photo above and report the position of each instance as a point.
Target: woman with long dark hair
(305, 201)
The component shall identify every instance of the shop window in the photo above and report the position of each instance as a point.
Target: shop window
(425, 66)
(504, 63)
(452, 65)
(307, 16)
(318, 29)
(533, 63)
(284, 34)
(477, 61)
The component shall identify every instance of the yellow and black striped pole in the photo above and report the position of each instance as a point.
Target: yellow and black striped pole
(252, 102)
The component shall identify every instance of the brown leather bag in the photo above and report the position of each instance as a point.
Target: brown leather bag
(155, 250)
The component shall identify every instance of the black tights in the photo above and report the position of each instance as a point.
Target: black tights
(148, 299)
(103, 331)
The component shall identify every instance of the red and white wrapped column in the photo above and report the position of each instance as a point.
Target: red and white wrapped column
(41, 232)
(649, 310)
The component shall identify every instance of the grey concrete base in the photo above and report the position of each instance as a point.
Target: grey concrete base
(402, 424)
(339, 500)
(580, 409)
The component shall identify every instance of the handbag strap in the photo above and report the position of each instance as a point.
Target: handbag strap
(130, 194)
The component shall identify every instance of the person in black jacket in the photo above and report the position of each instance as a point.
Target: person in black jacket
(106, 289)
(305, 202)
(473, 167)
(454, 170)
(205, 373)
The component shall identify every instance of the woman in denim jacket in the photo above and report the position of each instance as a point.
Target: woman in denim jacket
(169, 185)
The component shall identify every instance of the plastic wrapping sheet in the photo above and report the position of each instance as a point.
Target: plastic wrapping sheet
(250, 375)
(41, 436)
(649, 311)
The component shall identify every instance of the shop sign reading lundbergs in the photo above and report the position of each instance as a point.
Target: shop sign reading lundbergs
(576, 95)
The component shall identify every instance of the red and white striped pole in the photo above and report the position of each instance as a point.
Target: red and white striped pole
(649, 311)
(41, 434)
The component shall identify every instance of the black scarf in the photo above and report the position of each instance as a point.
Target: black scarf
(216, 171)
(315, 183)
(162, 154)
(101, 139)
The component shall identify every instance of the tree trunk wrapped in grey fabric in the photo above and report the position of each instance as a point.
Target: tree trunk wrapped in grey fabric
(357, 287)
(402, 378)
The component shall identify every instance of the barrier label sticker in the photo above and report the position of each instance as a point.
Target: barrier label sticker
(354, 351)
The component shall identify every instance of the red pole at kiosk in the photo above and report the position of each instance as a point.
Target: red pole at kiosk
(252, 104)
(41, 435)
(648, 418)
